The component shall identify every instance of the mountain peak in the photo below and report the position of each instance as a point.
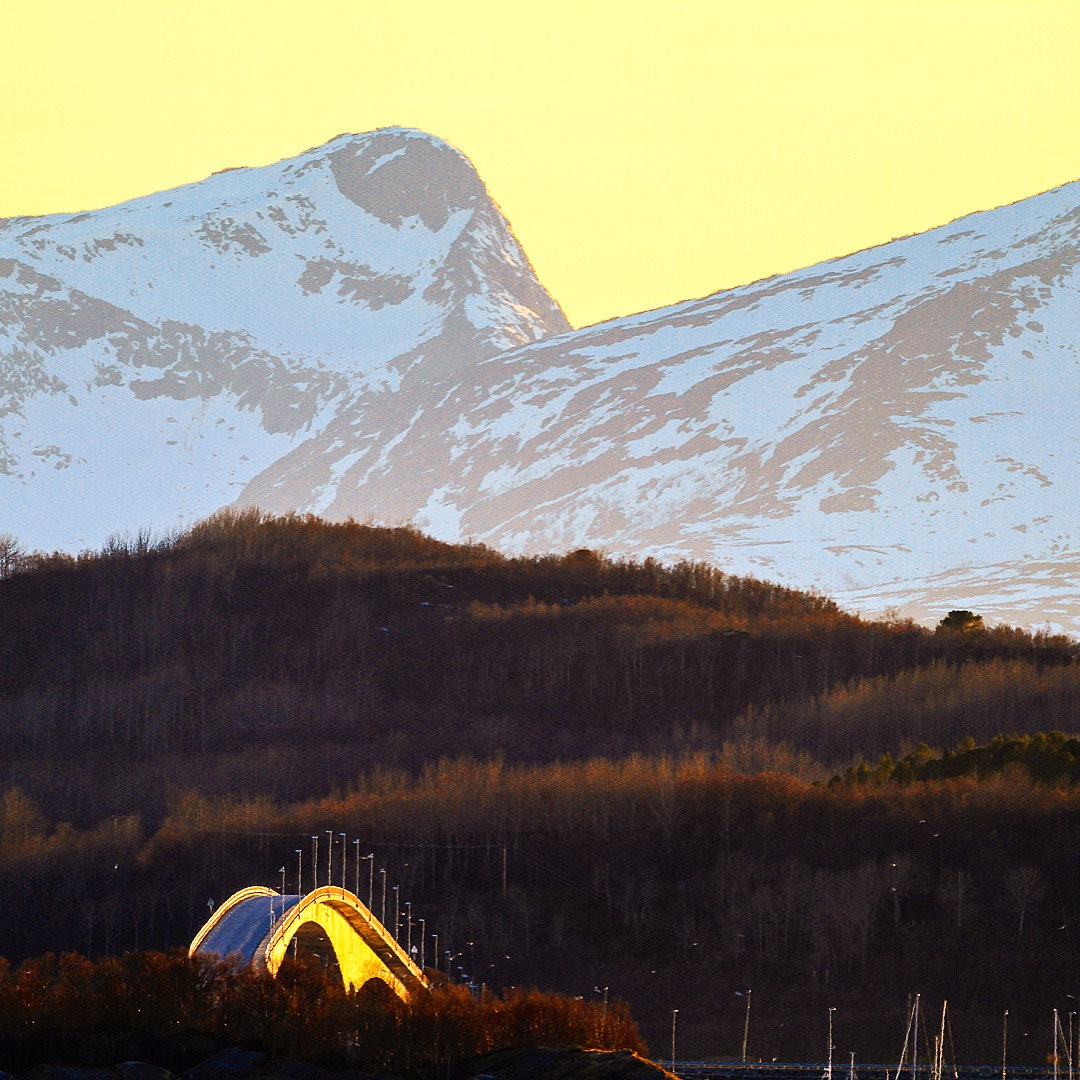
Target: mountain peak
(397, 173)
(157, 355)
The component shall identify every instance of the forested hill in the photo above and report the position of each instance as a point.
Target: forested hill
(286, 654)
(180, 718)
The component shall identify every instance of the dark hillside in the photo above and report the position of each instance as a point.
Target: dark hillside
(286, 655)
(584, 773)
(672, 884)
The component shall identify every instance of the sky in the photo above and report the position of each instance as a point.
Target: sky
(644, 151)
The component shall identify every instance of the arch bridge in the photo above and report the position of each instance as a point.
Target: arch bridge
(331, 925)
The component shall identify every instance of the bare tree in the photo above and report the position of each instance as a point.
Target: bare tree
(12, 556)
(1025, 887)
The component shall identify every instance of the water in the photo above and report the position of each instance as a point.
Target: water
(783, 1070)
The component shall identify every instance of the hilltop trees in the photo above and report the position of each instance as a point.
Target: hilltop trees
(12, 557)
(227, 654)
(961, 621)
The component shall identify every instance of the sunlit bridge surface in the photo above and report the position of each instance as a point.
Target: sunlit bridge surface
(329, 926)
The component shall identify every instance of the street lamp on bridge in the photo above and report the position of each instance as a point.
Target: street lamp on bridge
(371, 877)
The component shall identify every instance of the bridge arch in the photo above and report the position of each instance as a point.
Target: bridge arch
(259, 925)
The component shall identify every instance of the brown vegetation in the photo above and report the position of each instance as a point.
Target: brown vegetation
(673, 882)
(582, 772)
(54, 1000)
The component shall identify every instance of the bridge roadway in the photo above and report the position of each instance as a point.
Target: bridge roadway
(258, 925)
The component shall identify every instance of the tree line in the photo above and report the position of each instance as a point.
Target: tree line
(66, 1006)
(294, 653)
(674, 882)
(585, 772)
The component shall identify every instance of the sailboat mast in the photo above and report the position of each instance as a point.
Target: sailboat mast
(915, 1041)
(1055, 1045)
(939, 1049)
(1004, 1040)
(828, 1069)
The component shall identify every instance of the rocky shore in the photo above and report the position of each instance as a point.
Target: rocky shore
(198, 1057)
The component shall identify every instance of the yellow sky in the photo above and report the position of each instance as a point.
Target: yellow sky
(645, 151)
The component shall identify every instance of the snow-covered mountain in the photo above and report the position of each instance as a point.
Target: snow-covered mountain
(898, 428)
(356, 332)
(156, 356)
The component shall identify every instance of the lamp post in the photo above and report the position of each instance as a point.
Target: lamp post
(435, 949)
(300, 871)
(423, 936)
(356, 863)
(344, 859)
(746, 1025)
(382, 916)
(1057, 1026)
(397, 912)
(314, 863)
(674, 1018)
(408, 927)
(329, 856)
(371, 879)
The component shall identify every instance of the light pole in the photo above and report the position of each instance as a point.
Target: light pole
(674, 1018)
(344, 859)
(408, 928)
(300, 871)
(382, 917)
(329, 856)
(423, 937)
(746, 1025)
(435, 949)
(356, 862)
(314, 863)
(371, 879)
(397, 912)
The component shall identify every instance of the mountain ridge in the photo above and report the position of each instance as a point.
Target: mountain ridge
(871, 426)
(945, 308)
(279, 268)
